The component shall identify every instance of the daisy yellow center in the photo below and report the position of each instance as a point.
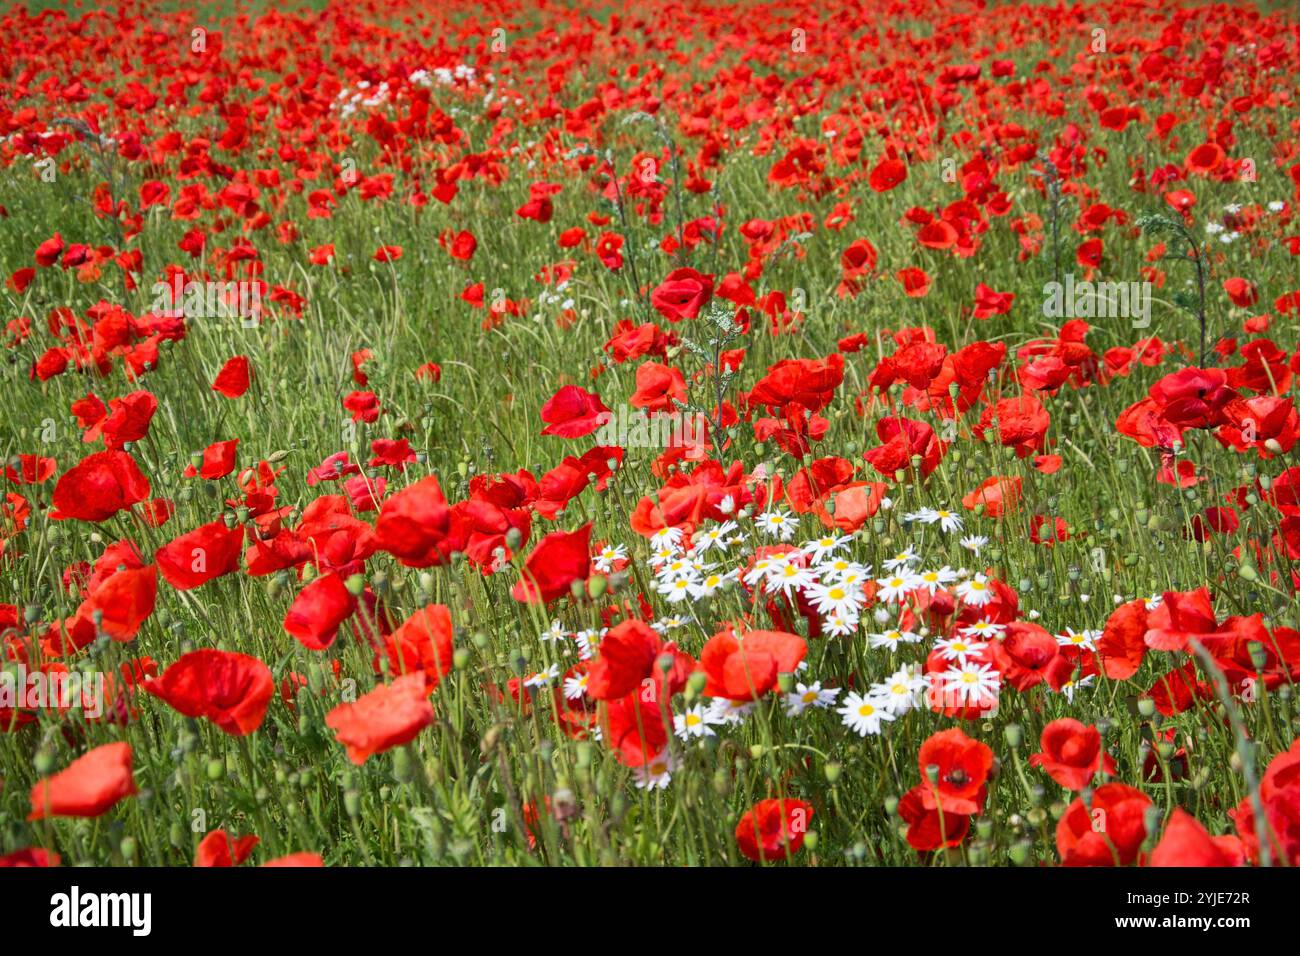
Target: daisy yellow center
(836, 594)
(866, 710)
(693, 720)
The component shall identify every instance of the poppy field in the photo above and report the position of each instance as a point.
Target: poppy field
(801, 434)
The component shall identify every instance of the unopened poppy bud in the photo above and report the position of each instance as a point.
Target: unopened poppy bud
(196, 459)
(1019, 853)
(216, 769)
(514, 539)
(128, 848)
(596, 586)
(1258, 655)
(44, 762)
(891, 805)
(356, 585)
(460, 659)
(756, 751)
(403, 768)
(697, 682)
(832, 771)
(785, 682)
(810, 840)
(352, 803)
(932, 773)
(278, 456)
(983, 828)
(578, 589)
(1013, 735)
(1146, 707)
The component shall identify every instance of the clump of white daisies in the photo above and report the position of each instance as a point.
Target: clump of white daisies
(824, 572)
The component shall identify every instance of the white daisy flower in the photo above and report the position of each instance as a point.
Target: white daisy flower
(724, 711)
(694, 723)
(863, 715)
(892, 640)
(835, 598)
(555, 632)
(667, 538)
(957, 648)
(901, 691)
(975, 592)
(901, 560)
(716, 537)
(895, 587)
(834, 625)
(975, 543)
(984, 629)
(588, 641)
(543, 678)
(1084, 639)
(972, 682)
(933, 580)
(822, 548)
(809, 695)
(575, 687)
(670, 623)
(609, 556)
(777, 524)
(657, 773)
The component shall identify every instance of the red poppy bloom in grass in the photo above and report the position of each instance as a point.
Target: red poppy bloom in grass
(682, 294)
(747, 668)
(658, 388)
(231, 690)
(125, 599)
(963, 768)
(217, 849)
(31, 470)
(559, 559)
(773, 829)
(415, 525)
(301, 859)
(201, 555)
(927, 828)
(234, 378)
(319, 611)
(422, 645)
(636, 729)
(998, 495)
(1186, 842)
(629, 656)
(887, 174)
(1108, 834)
(218, 461)
(389, 716)
(98, 487)
(29, 857)
(573, 412)
(1072, 753)
(89, 785)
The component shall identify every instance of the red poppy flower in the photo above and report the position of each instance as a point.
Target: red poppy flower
(927, 828)
(1186, 842)
(682, 294)
(201, 555)
(88, 786)
(296, 860)
(29, 857)
(218, 461)
(423, 644)
(231, 690)
(1072, 753)
(630, 658)
(319, 611)
(573, 412)
(389, 716)
(416, 525)
(31, 470)
(559, 559)
(98, 487)
(887, 174)
(234, 378)
(124, 600)
(747, 668)
(773, 829)
(1110, 833)
(658, 388)
(636, 729)
(217, 849)
(963, 768)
